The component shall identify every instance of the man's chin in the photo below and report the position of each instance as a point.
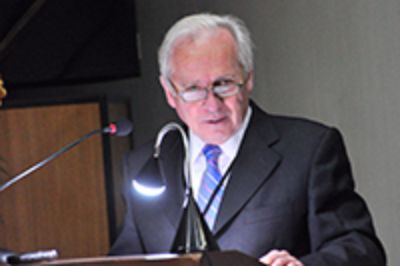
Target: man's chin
(216, 137)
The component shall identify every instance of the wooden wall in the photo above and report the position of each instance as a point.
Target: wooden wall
(62, 205)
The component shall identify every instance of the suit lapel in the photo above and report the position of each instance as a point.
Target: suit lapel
(253, 166)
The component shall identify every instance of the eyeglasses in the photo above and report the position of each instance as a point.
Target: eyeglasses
(222, 88)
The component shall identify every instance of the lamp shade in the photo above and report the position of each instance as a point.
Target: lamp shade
(149, 181)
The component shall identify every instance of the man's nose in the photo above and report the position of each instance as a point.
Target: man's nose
(213, 101)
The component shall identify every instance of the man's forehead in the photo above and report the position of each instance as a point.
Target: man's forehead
(201, 35)
(216, 45)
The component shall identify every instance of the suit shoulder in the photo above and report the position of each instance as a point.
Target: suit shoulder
(294, 122)
(301, 129)
(287, 123)
(302, 138)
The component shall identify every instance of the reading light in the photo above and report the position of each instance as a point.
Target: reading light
(193, 234)
(147, 191)
(149, 181)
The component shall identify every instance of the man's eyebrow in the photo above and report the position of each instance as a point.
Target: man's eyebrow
(225, 77)
(191, 84)
(196, 83)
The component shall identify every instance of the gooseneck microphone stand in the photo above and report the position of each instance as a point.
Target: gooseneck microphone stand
(120, 128)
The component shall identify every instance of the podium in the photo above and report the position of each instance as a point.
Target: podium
(231, 258)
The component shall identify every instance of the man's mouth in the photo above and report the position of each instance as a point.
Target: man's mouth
(215, 121)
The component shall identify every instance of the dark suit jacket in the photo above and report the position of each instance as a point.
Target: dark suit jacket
(290, 188)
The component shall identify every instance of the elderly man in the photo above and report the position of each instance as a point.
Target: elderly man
(289, 195)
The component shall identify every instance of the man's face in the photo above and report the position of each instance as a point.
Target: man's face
(201, 62)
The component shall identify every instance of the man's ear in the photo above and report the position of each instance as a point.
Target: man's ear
(249, 82)
(167, 92)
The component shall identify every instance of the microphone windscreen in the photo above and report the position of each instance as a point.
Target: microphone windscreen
(123, 127)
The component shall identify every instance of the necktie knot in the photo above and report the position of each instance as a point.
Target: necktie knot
(212, 152)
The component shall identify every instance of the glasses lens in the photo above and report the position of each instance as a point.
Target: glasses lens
(195, 95)
(226, 90)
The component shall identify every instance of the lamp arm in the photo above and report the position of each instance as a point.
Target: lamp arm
(186, 165)
(193, 234)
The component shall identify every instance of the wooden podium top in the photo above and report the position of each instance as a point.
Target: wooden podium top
(134, 260)
(231, 258)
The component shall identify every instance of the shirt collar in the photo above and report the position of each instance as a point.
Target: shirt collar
(229, 147)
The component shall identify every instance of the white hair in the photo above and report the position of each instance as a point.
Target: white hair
(191, 25)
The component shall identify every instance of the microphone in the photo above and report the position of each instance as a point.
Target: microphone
(120, 129)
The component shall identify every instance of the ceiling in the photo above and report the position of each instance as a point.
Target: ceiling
(61, 41)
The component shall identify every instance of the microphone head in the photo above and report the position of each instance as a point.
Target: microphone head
(120, 128)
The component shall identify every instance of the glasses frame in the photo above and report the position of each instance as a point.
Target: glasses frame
(208, 89)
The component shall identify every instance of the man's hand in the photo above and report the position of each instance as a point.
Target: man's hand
(280, 258)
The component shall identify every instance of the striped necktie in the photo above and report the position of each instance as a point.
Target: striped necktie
(211, 178)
